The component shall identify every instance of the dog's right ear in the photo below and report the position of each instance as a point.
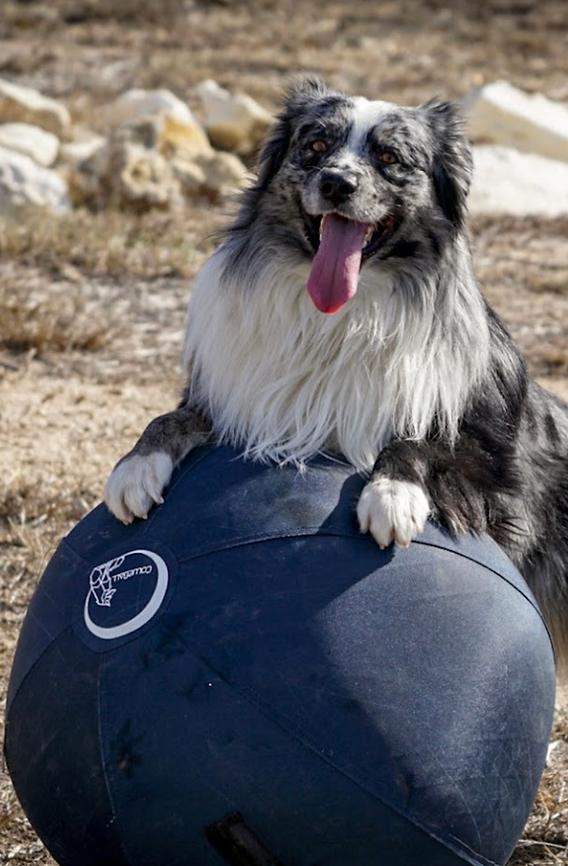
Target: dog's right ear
(304, 91)
(453, 164)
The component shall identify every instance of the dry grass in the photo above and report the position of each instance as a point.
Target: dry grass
(110, 243)
(26, 504)
(164, 12)
(400, 49)
(546, 839)
(51, 293)
(23, 15)
(48, 316)
(523, 268)
(44, 303)
(546, 834)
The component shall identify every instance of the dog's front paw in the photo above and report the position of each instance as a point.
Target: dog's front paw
(136, 483)
(392, 511)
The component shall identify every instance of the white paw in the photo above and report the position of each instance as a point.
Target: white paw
(136, 483)
(392, 511)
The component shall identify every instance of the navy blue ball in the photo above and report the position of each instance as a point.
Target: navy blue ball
(244, 678)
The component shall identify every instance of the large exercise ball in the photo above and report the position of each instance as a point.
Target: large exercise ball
(244, 678)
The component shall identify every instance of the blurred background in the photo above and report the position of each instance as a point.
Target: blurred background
(125, 129)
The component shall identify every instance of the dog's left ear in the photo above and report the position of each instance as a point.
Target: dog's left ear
(453, 162)
(304, 91)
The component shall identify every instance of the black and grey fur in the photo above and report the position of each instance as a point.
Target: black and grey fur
(415, 380)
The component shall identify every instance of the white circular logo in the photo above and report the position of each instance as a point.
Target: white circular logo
(125, 593)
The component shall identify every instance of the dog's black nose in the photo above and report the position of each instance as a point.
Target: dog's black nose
(336, 187)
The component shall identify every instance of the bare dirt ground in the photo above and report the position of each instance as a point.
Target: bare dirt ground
(92, 306)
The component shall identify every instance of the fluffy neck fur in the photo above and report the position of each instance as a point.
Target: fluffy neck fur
(285, 381)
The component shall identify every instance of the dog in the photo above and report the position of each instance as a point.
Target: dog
(341, 314)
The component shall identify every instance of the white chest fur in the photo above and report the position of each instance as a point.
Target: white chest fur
(286, 381)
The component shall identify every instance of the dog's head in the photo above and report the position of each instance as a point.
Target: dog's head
(354, 184)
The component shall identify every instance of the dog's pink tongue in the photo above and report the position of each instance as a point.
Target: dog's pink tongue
(335, 271)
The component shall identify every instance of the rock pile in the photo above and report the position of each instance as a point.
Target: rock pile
(30, 126)
(156, 154)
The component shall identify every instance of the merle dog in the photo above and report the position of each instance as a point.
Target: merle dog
(359, 211)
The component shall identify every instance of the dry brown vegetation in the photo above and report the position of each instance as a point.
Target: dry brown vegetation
(92, 305)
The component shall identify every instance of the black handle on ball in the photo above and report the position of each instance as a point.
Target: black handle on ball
(237, 844)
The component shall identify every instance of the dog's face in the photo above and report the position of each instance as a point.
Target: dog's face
(353, 183)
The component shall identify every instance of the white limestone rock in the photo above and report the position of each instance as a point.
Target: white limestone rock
(216, 175)
(176, 139)
(24, 183)
(499, 113)
(125, 173)
(144, 179)
(41, 146)
(75, 152)
(19, 104)
(234, 122)
(175, 126)
(506, 181)
(225, 174)
(137, 103)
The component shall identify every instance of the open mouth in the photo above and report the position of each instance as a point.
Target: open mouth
(340, 246)
(375, 235)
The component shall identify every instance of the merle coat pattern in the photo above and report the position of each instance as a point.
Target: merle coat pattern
(359, 210)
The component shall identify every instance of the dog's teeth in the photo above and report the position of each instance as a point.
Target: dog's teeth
(368, 234)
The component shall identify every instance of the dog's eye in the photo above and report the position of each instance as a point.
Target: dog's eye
(388, 157)
(319, 146)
